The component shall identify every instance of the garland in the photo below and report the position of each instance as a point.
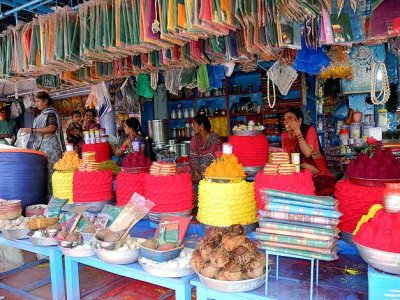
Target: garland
(385, 90)
(154, 80)
(273, 89)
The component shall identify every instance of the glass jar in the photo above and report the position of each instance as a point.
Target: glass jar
(355, 130)
(382, 118)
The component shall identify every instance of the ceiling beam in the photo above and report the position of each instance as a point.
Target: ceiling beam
(19, 8)
(41, 10)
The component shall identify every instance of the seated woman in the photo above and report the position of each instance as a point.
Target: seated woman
(136, 144)
(89, 120)
(303, 139)
(203, 146)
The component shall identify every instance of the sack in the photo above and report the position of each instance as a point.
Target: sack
(22, 140)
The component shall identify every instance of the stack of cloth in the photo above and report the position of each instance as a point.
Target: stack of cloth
(88, 162)
(300, 225)
(279, 162)
(162, 169)
(251, 151)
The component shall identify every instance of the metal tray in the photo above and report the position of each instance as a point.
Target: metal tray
(16, 234)
(43, 241)
(232, 286)
(247, 132)
(161, 272)
(372, 182)
(77, 252)
(224, 179)
(385, 261)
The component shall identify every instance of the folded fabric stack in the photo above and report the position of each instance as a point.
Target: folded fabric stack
(299, 225)
(88, 162)
(62, 183)
(225, 204)
(251, 151)
(127, 185)
(278, 158)
(354, 201)
(162, 169)
(300, 183)
(270, 169)
(101, 150)
(93, 186)
(169, 193)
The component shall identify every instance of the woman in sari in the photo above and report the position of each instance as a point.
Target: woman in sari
(46, 134)
(303, 139)
(203, 146)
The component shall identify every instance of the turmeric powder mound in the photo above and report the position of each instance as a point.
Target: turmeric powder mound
(70, 161)
(225, 166)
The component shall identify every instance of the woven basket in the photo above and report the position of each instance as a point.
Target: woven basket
(35, 210)
(41, 223)
(10, 209)
(160, 256)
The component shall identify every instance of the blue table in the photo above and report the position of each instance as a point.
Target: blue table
(205, 293)
(56, 268)
(182, 287)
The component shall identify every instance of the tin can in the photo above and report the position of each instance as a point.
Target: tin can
(97, 140)
(227, 148)
(86, 134)
(97, 133)
(104, 139)
(297, 168)
(295, 158)
(102, 131)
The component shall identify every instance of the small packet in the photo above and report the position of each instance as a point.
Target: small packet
(112, 212)
(101, 222)
(167, 232)
(53, 209)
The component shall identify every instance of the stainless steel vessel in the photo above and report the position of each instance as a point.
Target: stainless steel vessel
(158, 131)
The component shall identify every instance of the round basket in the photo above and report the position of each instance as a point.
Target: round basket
(10, 209)
(35, 210)
(41, 223)
(247, 132)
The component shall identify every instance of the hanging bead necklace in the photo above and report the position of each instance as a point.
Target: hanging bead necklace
(273, 89)
(154, 80)
(385, 90)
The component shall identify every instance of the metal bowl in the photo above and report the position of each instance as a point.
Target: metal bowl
(385, 261)
(109, 245)
(252, 171)
(247, 132)
(156, 216)
(68, 244)
(16, 234)
(232, 286)
(162, 272)
(78, 252)
(116, 257)
(51, 233)
(41, 241)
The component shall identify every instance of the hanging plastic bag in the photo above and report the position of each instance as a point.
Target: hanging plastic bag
(22, 140)
(310, 60)
(16, 110)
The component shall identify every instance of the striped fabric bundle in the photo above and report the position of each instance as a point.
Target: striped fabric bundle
(299, 225)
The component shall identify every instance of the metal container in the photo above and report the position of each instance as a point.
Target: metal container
(171, 142)
(158, 131)
(78, 251)
(41, 241)
(185, 149)
(117, 257)
(109, 245)
(186, 113)
(385, 261)
(191, 112)
(232, 286)
(176, 148)
(16, 234)
(174, 114)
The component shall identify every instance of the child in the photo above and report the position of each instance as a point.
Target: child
(75, 131)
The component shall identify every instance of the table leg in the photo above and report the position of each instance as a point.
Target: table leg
(57, 275)
(201, 293)
(312, 279)
(277, 268)
(317, 273)
(184, 292)
(266, 276)
(72, 279)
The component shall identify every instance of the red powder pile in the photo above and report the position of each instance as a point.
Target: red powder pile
(381, 232)
(383, 165)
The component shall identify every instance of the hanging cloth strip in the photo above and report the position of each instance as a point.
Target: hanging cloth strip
(172, 78)
(203, 83)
